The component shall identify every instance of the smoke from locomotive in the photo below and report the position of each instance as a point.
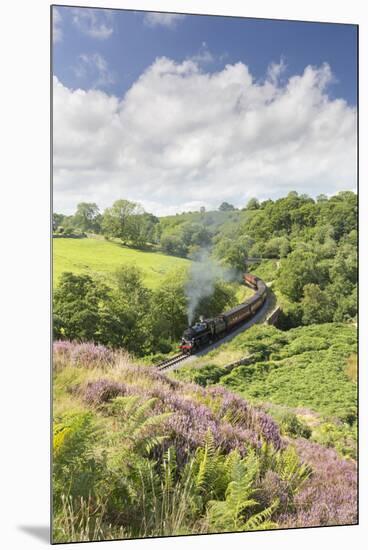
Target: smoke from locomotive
(209, 330)
(203, 275)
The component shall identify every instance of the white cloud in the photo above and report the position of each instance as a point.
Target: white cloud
(275, 70)
(57, 33)
(169, 20)
(203, 56)
(182, 138)
(95, 67)
(93, 22)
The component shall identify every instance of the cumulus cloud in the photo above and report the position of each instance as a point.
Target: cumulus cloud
(203, 56)
(95, 68)
(275, 70)
(93, 22)
(181, 138)
(57, 33)
(169, 20)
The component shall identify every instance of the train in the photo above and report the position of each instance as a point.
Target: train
(208, 331)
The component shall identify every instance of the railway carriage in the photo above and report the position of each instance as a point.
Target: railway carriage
(209, 330)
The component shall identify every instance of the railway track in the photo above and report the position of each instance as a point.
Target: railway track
(233, 324)
(237, 330)
(172, 361)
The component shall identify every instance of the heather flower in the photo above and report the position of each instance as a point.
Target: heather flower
(272, 487)
(86, 354)
(101, 391)
(330, 496)
(239, 413)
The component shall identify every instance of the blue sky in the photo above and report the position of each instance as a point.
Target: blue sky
(133, 45)
(239, 79)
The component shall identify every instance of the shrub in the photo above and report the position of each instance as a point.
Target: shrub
(330, 496)
(76, 471)
(86, 354)
(102, 391)
(291, 425)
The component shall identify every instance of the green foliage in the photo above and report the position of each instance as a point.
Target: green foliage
(236, 511)
(173, 245)
(183, 239)
(287, 465)
(315, 240)
(225, 207)
(77, 307)
(223, 297)
(309, 367)
(116, 476)
(292, 426)
(139, 429)
(233, 252)
(168, 307)
(316, 306)
(297, 270)
(88, 217)
(127, 314)
(122, 221)
(306, 372)
(340, 436)
(57, 221)
(253, 204)
(81, 520)
(208, 374)
(76, 471)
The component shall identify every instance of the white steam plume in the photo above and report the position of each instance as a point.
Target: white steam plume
(203, 274)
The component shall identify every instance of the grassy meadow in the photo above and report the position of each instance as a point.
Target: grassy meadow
(104, 257)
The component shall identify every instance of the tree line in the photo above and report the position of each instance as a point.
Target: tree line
(124, 313)
(314, 242)
(127, 221)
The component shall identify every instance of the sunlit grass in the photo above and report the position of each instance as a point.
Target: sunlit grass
(104, 257)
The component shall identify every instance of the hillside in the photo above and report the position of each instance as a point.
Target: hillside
(139, 454)
(104, 257)
(309, 372)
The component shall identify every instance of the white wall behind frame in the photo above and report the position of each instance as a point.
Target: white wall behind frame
(25, 270)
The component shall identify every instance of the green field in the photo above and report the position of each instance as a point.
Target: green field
(104, 257)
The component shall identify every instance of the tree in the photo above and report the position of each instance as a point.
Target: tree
(173, 244)
(147, 228)
(277, 247)
(122, 220)
(297, 270)
(130, 307)
(222, 298)
(233, 252)
(87, 217)
(322, 198)
(129, 281)
(57, 221)
(195, 234)
(316, 306)
(169, 307)
(226, 207)
(77, 304)
(252, 204)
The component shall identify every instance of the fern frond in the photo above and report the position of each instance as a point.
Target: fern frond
(261, 520)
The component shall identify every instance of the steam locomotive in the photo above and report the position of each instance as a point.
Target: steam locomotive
(210, 330)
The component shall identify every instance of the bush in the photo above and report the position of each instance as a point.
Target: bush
(292, 426)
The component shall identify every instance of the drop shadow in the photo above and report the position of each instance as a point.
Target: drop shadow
(40, 532)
